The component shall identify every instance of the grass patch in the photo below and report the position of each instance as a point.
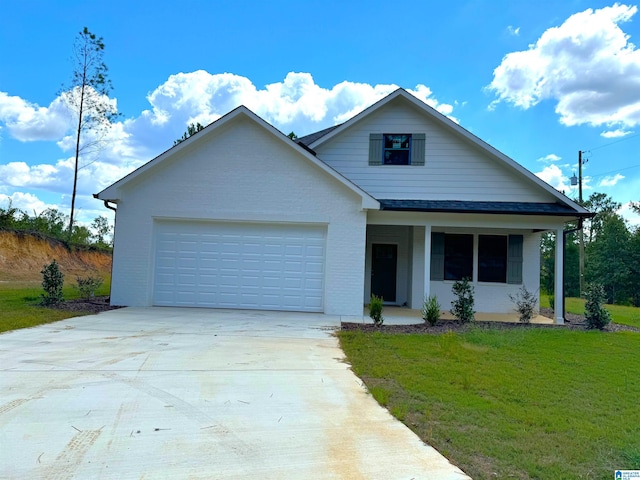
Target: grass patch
(622, 314)
(524, 403)
(20, 304)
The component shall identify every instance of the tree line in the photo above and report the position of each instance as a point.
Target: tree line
(54, 224)
(612, 254)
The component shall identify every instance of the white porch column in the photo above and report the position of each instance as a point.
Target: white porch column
(559, 277)
(427, 262)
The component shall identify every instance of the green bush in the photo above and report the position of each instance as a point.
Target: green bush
(375, 310)
(87, 286)
(462, 306)
(52, 283)
(525, 302)
(431, 310)
(595, 315)
(552, 302)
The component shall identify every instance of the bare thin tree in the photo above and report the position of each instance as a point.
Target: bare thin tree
(87, 97)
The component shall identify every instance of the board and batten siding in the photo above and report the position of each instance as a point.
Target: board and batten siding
(242, 173)
(454, 169)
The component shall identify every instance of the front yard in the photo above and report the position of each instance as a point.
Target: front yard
(512, 403)
(20, 304)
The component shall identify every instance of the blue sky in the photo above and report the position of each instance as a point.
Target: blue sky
(538, 80)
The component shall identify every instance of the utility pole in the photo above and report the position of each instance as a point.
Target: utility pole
(580, 231)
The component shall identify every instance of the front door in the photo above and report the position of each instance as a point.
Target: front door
(383, 271)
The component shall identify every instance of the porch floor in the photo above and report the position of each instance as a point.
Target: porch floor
(405, 316)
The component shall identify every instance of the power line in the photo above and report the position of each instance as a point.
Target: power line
(612, 143)
(613, 171)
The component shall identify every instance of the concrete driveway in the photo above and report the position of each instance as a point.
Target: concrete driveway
(195, 393)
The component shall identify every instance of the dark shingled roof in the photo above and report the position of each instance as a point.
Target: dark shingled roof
(457, 206)
(312, 137)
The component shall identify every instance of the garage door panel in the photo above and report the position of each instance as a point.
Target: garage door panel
(263, 266)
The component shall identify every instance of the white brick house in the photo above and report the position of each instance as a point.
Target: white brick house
(398, 201)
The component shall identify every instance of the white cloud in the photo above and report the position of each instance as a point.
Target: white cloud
(552, 157)
(42, 176)
(616, 133)
(610, 181)
(587, 66)
(552, 174)
(296, 102)
(28, 122)
(515, 31)
(27, 202)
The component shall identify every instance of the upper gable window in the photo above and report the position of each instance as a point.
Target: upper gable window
(396, 149)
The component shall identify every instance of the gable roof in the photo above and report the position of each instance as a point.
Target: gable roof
(317, 139)
(112, 192)
(312, 137)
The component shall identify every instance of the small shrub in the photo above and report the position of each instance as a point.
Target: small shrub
(525, 302)
(375, 310)
(462, 306)
(87, 286)
(431, 310)
(52, 283)
(595, 315)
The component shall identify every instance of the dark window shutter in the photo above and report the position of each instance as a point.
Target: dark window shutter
(437, 256)
(375, 149)
(417, 149)
(514, 259)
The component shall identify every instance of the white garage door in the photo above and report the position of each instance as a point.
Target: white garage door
(256, 266)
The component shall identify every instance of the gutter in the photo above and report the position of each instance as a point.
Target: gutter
(106, 203)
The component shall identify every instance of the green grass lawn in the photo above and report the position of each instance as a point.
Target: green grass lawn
(619, 313)
(522, 403)
(19, 305)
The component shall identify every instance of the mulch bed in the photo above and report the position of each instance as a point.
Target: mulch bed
(93, 305)
(572, 322)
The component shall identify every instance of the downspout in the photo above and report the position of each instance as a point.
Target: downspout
(106, 204)
(110, 207)
(564, 260)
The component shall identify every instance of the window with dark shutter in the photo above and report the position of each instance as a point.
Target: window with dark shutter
(500, 257)
(397, 149)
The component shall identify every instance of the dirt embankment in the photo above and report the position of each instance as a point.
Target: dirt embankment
(22, 256)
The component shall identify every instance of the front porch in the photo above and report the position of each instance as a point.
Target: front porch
(411, 255)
